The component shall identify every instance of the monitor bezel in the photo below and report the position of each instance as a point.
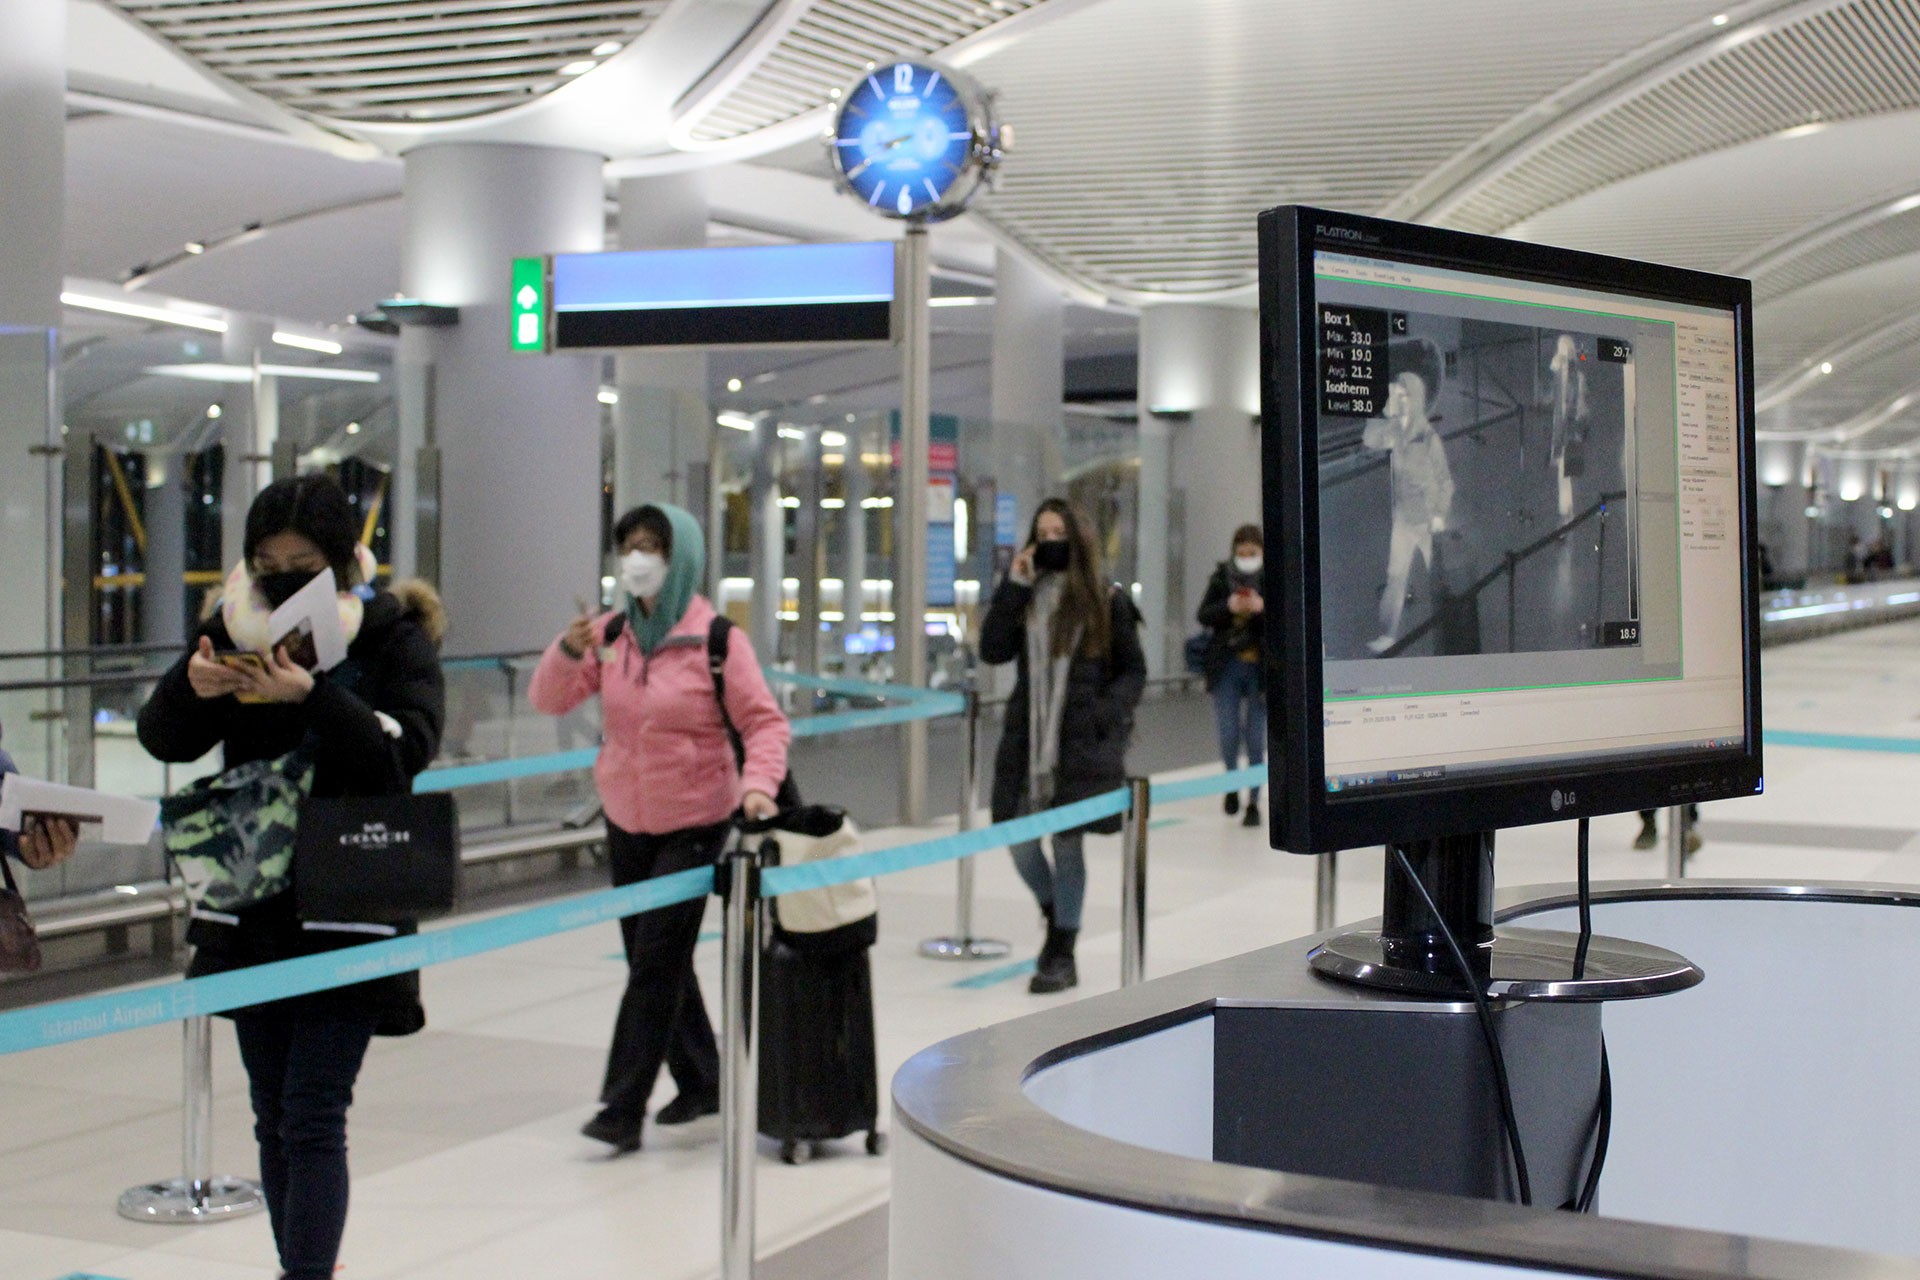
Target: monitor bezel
(1302, 817)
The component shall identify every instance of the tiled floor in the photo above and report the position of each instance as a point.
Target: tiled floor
(465, 1154)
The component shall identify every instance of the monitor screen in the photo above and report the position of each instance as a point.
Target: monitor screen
(743, 295)
(1512, 488)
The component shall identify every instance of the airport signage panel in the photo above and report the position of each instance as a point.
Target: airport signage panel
(528, 309)
(753, 295)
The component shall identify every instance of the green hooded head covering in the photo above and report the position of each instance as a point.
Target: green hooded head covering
(686, 570)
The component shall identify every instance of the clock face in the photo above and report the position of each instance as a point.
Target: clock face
(904, 139)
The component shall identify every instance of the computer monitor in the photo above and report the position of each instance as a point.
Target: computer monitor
(1511, 492)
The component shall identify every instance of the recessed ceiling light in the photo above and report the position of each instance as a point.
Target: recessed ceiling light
(606, 48)
(579, 67)
(353, 428)
(213, 411)
(1826, 366)
(733, 384)
(1803, 130)
(1719, 19)
(165, 315)
(324, 346)
(738, 421)
(195, 246)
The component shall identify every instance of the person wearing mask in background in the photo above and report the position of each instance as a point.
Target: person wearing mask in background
(670, 784)
(372, 723)
(1076, 641)
(1234, 610)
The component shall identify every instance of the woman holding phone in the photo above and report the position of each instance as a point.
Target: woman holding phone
(371, 723)
(670, 782)
(1076, 644)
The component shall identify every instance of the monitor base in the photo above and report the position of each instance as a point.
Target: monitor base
(1521, 964)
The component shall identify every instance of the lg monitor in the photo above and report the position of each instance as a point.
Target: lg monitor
(1511, 491)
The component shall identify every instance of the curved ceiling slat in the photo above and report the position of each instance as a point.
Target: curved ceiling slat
(425, 59)
(830, 45)
(1845, 62)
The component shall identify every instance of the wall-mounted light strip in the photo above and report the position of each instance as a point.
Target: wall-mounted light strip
(324, 346)
(164, 315)
(738, 421)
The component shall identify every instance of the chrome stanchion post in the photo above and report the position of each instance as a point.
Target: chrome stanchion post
(961, 944)
(1133, 883)
(745, 919)
(1677, 842)
(198, 1195)
(1326, 873)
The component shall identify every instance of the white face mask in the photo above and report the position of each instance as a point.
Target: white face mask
(1248, 564)
(643, 574)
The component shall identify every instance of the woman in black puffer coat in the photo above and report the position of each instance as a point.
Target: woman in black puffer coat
(1076, 641)
(374, 722)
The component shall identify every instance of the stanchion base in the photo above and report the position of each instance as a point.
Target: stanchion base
(175, 1201)
(951, 948)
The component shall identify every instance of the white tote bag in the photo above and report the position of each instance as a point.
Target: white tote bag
(811, 834)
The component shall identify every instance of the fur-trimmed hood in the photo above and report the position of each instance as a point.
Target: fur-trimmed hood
(422, 603)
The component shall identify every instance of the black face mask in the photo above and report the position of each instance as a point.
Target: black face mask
(279, 588)
(1052, 555)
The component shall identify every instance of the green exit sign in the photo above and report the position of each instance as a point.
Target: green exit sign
(529, 309)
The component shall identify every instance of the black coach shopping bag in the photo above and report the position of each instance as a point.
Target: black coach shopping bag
(377, 859)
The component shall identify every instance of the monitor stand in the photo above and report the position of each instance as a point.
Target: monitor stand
(1409, 954)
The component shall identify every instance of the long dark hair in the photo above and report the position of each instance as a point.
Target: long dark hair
(1083, 606)
(315, 507)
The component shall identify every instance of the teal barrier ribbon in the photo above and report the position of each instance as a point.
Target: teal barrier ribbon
(1840, 741)
(50, 1024)
(775, 881)
(453, 777)
(1218, 784)
(913, 704)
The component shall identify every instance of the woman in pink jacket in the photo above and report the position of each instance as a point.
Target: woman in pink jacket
(669, 781)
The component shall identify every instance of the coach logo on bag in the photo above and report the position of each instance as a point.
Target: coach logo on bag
(375, 835)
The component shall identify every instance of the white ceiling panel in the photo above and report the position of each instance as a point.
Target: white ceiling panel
(137, 190)
(387, 60)
(1712, 211)
(1150, 132)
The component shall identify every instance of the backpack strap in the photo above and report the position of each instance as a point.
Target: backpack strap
(717, 635)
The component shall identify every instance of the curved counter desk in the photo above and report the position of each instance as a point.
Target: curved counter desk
(1764, 1122)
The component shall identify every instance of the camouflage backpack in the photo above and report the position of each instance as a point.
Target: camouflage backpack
(231, 835)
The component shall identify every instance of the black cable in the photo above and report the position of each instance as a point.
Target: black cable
(1486, 1029)
(1603, 1113)
(1586, 904)
(1603, 1129)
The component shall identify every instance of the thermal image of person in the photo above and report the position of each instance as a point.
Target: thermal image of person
(1569, 412)
(1422, 490)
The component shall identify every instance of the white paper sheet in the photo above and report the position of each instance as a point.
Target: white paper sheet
(314, 611)
(119, 819)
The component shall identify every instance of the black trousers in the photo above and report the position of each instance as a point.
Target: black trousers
(301, 1071)
(662, 1017)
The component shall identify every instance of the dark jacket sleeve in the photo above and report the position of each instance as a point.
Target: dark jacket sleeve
(1213, 605)
(177, 725)
(362, 757)
(1126, 664)
(1003, 636)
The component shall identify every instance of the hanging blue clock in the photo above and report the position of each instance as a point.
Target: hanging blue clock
(915, 141)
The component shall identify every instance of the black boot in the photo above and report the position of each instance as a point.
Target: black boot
(1231, 803)
(1253, 813)
(1054, 970)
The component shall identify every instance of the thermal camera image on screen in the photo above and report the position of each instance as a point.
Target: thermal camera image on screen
(1494, 479)
(1485, 494)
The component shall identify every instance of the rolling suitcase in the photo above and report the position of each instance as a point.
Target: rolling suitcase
(818, 1081)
